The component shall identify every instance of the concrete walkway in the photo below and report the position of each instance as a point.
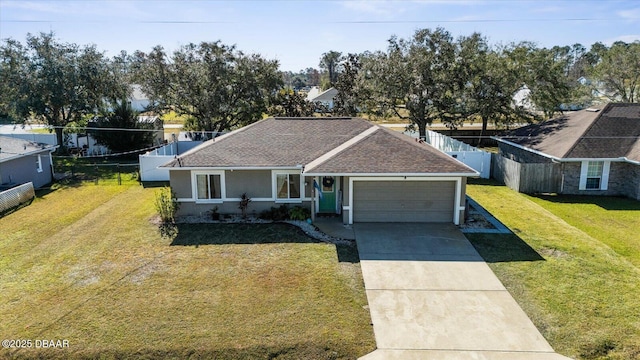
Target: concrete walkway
(431, 296)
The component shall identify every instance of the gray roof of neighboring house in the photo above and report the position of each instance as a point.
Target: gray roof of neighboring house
(327, 145)
(612, 132)
(12, 148)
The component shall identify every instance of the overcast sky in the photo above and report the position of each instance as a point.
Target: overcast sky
(297, 32)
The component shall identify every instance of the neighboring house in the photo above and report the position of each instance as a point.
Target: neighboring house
(595, 151)
(312, 91)
(363, 171)
(138, 99)
(325, 98)
(522, 98)
(23, 161)
(85, 144)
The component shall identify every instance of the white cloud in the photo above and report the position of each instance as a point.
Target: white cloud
(630, 14)
(35, 6)
(626, 38)
(549, 10)
(38, 10)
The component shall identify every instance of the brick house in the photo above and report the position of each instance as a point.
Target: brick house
(596, 151)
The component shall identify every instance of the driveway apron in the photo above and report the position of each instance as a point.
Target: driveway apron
(431, 296)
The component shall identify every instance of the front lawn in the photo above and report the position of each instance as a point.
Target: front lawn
(86, 264)
(570, 277)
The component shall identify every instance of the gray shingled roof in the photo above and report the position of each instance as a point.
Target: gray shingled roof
(274, 142)
(11, 147)
(613, 132)
(387, 151)
(288, 142)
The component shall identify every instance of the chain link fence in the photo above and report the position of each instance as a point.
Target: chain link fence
(99, 173)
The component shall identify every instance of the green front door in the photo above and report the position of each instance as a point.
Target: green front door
(327, 203)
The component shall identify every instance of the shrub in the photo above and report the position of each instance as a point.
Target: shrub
(299, 213)
(275, 213)
(244, 203)
(166, 205)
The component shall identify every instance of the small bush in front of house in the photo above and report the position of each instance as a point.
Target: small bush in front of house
(166, 205)
(244, 204)
(299, 213)
(275, 213)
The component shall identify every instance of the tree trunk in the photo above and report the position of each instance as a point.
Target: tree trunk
(422, 130)
(60, 138)
(485, 122)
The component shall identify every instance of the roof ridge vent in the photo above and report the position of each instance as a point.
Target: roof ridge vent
(592, 110)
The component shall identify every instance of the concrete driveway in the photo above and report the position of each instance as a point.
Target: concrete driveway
(431, 296)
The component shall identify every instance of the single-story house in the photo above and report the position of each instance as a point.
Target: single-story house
(326, 98)
(346, 166)
(23, 161)
(596, 150)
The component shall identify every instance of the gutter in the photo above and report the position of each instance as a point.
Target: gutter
(525, 148)
(474, 174)
(561, 160)
(231, 168)
(37, 151)
(631, 161)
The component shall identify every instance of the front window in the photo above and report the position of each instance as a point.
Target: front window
(208, 186)
(594, 175)
(287, 186)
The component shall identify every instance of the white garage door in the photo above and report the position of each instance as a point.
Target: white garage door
(403, 201)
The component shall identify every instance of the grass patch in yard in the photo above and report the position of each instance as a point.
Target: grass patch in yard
(103, 171)
(584, 296)
(88, 265)
(615, 221)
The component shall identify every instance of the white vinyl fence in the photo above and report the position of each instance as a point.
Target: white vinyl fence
(475, 158)
(16, 196)
(150, 162)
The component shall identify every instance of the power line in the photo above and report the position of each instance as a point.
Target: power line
(355, 22)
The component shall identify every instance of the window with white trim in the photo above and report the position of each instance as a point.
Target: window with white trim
(287, 186)
(39, 163)
(208, 186)
(594, 175)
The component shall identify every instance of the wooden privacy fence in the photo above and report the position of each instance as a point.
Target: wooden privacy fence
(528, 178)
(16, 196)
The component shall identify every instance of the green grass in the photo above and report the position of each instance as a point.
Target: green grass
(612, 220)
(103, 171)
(88, 264)
(41, 131)
(581, 293)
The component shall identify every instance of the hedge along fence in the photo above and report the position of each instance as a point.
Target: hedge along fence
(16, 196)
